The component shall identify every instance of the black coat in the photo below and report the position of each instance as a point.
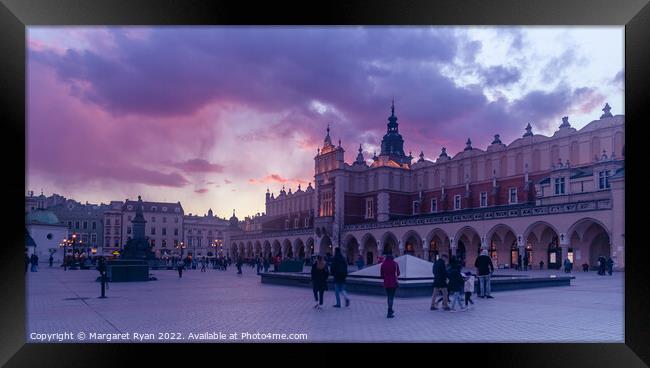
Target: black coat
(456, 280)
(484, 265)
(319, 277)
(339, 269)
(439, 274)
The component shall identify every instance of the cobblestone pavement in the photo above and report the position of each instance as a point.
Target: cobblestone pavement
(590, 310)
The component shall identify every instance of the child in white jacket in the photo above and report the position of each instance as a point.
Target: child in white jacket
(469, 288)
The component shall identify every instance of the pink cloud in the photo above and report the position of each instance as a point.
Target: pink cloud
(201, 191)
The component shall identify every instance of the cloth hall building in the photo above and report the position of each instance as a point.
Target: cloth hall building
(544, 198)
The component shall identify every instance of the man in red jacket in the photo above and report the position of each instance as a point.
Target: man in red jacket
(389, 272)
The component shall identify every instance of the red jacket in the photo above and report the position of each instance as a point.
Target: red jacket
(389, 272)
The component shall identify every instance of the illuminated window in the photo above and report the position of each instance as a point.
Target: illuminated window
(434, 205)
(416, 207)
(457, 202)
(483, 199)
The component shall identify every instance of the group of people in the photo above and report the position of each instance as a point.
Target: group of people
(33, 260)
(605, 265)
(321, 269)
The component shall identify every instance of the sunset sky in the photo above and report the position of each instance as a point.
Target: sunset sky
(212, 116)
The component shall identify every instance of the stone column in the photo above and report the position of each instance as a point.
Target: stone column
(452, 246)
(400, 246)
(484, 244)
(380, 248)
(294, 249)
(522, 250)
(564, 244)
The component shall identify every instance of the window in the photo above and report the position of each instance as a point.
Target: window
(434, 205)
(457, 202)
(164, 219)
(326, 203)
(153, 231)
(93, 238)
(164, 243)
(94, 225)
(306, 221)
(153, 219)
(164, 209)
(512, 195)
(176, 231)
(85, 225)
(153, 242)
(76, 225)
(164, 231)
(370, 208)
(117, 243)
(416, 207)
(128, 230)
(559, 186)
(484, 199)
(295, 223)
(286, 223)
(69, 224)
(108, 222)
(175, 243)
(603, 179)
(116, 231)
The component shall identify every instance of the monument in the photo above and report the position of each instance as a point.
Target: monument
(133, 264)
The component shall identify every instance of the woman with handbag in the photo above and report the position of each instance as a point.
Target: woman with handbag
(319, 275)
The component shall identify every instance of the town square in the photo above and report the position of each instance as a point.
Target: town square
(325, 184)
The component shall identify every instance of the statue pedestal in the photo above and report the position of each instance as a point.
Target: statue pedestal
(127, 270)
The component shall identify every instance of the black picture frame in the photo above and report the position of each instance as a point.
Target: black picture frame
(16, 15)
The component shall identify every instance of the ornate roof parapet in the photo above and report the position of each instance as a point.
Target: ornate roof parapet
(468, 145)
(374, 156)
(421, 156)
(529, 131)
(299, 189)
(603, 157)
(360, 159)
(443, 155)
(565, 123)
(606, 112)
(309, 188)
(497, 139)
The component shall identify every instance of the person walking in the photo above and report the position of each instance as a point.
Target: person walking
(339, 270)
(456, 283)
(484, 268)
(470, 281)
(526, 262)
(239, 263)
(601, 266)
(203, 262)
(319, 275)
(51, 260)
(34, 261)
(267, 263)
(610, 265)
(541, 265)
(389, 271)
(567, 266)
(360, 262)
(440, 283)
(179, 266)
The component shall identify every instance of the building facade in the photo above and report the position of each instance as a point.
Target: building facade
(164, 226)
(113, 229)
(203, 235)
(84, 220)
(544, 198)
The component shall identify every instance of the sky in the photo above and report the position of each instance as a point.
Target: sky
(213, 116)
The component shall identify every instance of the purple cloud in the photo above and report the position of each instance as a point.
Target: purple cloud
(500, 75)
(198, 165)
